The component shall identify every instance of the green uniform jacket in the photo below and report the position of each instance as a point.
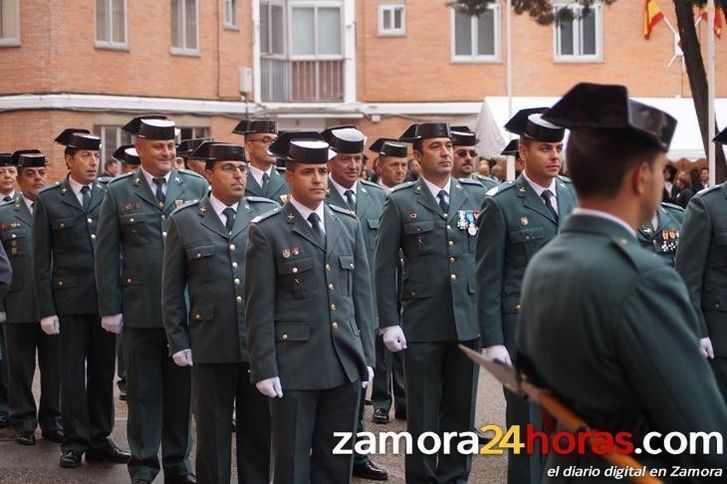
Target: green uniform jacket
(276, 190)
(609, 328)
(131, 236)
(16, 223)
(487, 183)
(514, 225)
(438, 283)
(663, 240)
(202, 256)
(702, 262)
(310, 313)
(64, 240)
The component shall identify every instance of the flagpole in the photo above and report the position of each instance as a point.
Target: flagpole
(710, 92)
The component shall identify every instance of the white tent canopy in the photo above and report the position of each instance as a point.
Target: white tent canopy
(687, 142)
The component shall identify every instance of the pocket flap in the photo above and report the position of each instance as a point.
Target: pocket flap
(63, 223)
(14, 234)
(295, 266)
(65, 281)
(202, 312)
(131, 218)
(200, 252)
(292, 332)
(714, 302)
(526, 235)
(346, 262)
(373, 223)
(417, 289)
(418, 227)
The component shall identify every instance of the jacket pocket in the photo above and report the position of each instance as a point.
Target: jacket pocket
(202, 312)
(63, 233)
(289, 332)
(294, 274)
(198, 260)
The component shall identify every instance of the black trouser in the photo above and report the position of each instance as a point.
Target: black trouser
(441, 385)
(303, 423)
(87, 374)
(120, 364)
(216, 387)
(158, 396)
(389, 372)
(4, 407)
(23, 339)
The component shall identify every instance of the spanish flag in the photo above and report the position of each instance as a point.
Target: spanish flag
(717, 20)
(652, 16)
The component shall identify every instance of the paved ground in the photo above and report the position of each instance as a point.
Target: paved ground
(39, 464)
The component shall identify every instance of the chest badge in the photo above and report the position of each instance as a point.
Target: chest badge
(524, 221)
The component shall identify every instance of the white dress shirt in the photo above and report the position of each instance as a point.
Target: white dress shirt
(257, 174)
(218, 207)
(305, 212)
(436, 189)
(539, 190)
(76, 187)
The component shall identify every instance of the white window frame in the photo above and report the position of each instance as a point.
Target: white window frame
(286, 35)
(577, 57)
(186, 50)
(474, 58)
(110, 44)
(13, 41)
(315, 5)
(231, 15)
(392, 32)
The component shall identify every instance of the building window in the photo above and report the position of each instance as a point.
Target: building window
(579, 39)
(9, 22)
(185, 27)
(231, 14)
(111, 23)
(392, 20)
(476, 38)
(191, 133)
(316, 31)
(111, 138)
(272, 29)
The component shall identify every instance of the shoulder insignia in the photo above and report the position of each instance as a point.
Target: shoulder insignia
(265, 215)
(633, 251)
(402, 186)
(342, 210)
(707, 190)
(500, 188)
(469, 181)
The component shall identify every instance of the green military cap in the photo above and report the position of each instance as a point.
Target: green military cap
(65, 137)
(31, 160)
(250, 126)
(512, 149)
(83, 141)
(529, 123)
(6, 159)
(417, 132)
(301, 146)
(16, 156)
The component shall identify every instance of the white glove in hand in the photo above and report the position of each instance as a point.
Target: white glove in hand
(497, 352)
(270, 387)
(394, 338)
(50, 325)
(705, 347)
(366, 383)
(3, 317)
(183, 358)
(113, 323)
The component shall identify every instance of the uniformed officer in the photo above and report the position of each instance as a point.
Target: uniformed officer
(701, 260)
(389, 372)
(9, 174)
(132, 228)
(64, 239)
(518, 218)
(604, 324)
(661, 234)
(185, 149)
(265, 181)
(20, 316)
(7, 182)
(128, 157)
(433, 223)
(308, 335)
(204, 254)
(366, 200)
(464, 145)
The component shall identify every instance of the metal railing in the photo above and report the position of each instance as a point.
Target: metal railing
(303, 81)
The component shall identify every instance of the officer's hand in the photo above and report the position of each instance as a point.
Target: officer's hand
(366, 383)
(497, 352)
(50, 325)
(270, 387)
(112, 324)
(394, 338)
(705, 346)
(183, 358)
(3, 317)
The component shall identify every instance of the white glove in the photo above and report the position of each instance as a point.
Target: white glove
(497, 352)
(270, 387)
(50, 325)
(394, 338)
(364, 384)
(183, 358)
(112, 324)
(3, 317)
(705, 346)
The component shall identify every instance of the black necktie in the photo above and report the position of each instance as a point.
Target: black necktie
(547, 197)
(315, 222)
(442, 195)
(229, 212)
(266, 181)
(32, 207)
(85, 197)
(159, 182)
(350, 200)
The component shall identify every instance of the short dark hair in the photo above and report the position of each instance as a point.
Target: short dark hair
(704, 169)
(70, 151)
(598, 159)
(208, 165)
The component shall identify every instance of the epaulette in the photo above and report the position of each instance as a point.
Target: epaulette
(469, 181)
(187, 204)
(104, 179)
(707, 190)
(253, 199)
(369, 184)
(672, 206)
(120, 177)
(402, 186)
(50, 187)
(265, 215)
(500, 188)
(564, 179)
(191, 173)
(342, 210)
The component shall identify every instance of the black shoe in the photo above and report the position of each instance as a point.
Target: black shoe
(25, 438)
(4, 421)
(369, 470)
(112, 453)
(400, 415)
(185, 479)
(53, 436)
(70, 459)
(381, 416)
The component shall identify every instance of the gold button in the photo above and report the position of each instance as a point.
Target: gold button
(334, 325)
(131, 220)
(164, 217)
(333, 307)
(237, 282)
(453, 277)
(452, 260)
(89, 220)
(14, 236)
(60, 283)
(128, 281)
(285, 337)
(527, 237)
(93, 236)
(238, 299)
(197, 316)
(331, 286)
(234, 265)
(449, 227)
(164, 234)
(413, 293)
(63, 225)
(328, 267)
(351, 265)
(450, 243)
(517, 307)
(295, 270)
(232, 246)
(199, 255)
(716, 305)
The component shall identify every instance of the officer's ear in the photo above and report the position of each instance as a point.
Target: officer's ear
(289, 171)
(68, 158)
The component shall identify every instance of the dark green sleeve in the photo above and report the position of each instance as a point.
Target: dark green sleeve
(6, 274)
(386, 261)
(489, 267)
(108, 258)
(363, 302)
(691, 258)
(174, 282)
(260, 274)
(659, 351)
(43, 260)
